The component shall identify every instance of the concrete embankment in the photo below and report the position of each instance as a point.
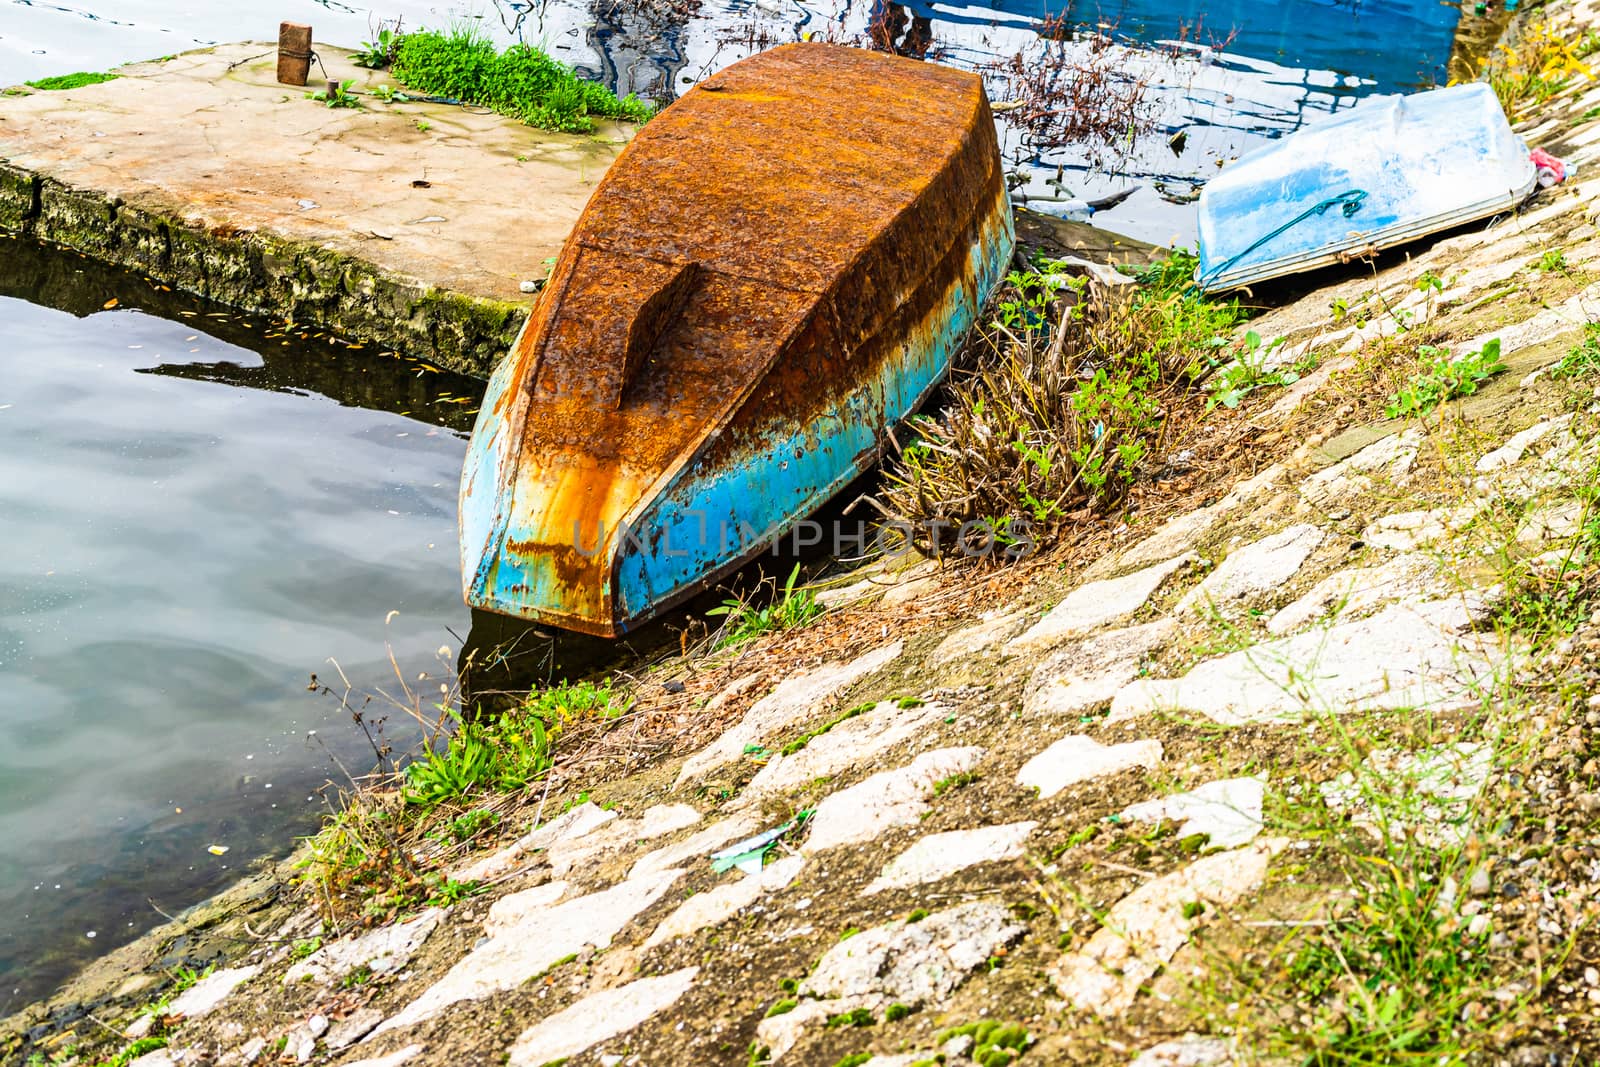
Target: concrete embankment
(411, 226)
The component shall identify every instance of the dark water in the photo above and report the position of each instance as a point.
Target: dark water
(196, 512)
(1247, 71)
(194, 517)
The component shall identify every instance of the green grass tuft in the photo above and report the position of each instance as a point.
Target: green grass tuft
(507, 753)
(521, 82)
(1584, 358)
(790, 608)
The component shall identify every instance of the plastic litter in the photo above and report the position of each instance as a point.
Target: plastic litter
(217, 850)
(1551, 171)
(749, 854)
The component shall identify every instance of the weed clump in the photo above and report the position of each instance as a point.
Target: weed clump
(370, 858)
(1444, 378)
(1066, 406)
(521, 82)
(1538, 65)
(507, 753)
(378, 54)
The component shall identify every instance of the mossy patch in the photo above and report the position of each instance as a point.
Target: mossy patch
(72, 81)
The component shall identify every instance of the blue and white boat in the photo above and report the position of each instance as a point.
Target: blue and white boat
(1384, 173)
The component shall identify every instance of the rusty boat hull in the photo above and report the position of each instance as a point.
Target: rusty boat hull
(775, 272)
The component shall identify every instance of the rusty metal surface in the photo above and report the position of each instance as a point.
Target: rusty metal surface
(784, 248)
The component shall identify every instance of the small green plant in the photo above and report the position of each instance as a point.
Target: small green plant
(1540, 64)
(782, 1007)
(465, 827)
(561, 705)
(1443, 378)
(356, 978)
(375, 55)
(1546, 608)
(1584, 358)
(506, 753)
(855, 1059)
(1250, 372)
(185, 977)
(71, 81)
(301, 949)
(389, 94)
(1542, 603)
(895, 1012)
(791, 608)
(422, 125)
(138, 1048)
(337, 94)
(497, 757)
(1552, 260)
(917, 915)
(447, 891)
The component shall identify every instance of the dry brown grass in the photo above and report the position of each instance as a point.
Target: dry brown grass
(1071, 397)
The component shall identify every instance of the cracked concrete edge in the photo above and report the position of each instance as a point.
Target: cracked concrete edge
(311, 285)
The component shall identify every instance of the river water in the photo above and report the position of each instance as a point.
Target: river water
(195, 518)
(198, 511)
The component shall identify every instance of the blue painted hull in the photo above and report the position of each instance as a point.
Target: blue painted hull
(710, 519)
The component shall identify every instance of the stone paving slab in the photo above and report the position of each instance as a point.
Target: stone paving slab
(1145, 929)
(1403, 657)
(598, 1017)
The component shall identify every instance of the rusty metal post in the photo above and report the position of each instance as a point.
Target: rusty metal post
(294, 53)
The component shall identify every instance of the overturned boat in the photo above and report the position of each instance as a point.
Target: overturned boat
(773, 273)
(1384, 173)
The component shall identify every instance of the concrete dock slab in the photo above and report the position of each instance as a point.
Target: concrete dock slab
(410, 225)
